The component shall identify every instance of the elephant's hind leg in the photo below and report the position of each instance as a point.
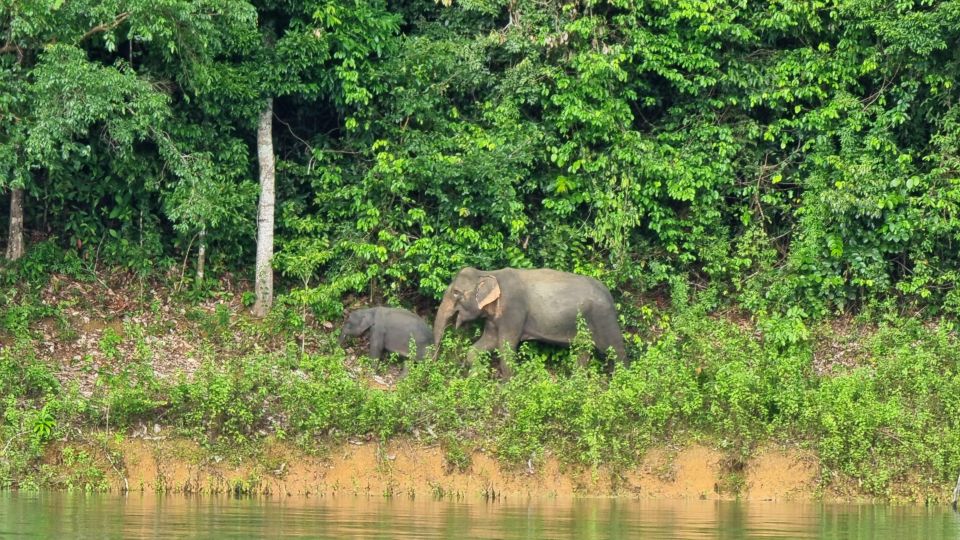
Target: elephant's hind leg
(605, 329)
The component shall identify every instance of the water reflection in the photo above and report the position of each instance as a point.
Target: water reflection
(60, 515)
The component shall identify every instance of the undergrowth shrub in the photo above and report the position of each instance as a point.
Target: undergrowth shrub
(538, 409)
(436, 400)
(230, 403)
(322, 398)
(896, 417)
(31, 415)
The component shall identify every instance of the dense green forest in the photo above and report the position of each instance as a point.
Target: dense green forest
(798, 157)
(742, 174)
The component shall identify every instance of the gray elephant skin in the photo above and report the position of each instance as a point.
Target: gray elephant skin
(390, 330)
(540, 305)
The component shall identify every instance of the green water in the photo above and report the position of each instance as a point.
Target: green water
(62, 515)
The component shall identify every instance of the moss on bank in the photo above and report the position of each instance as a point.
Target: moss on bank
(878, 401)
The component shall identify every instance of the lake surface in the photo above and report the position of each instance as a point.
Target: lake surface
(65, 515)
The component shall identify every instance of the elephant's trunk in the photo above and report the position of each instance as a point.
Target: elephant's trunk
(444, 314)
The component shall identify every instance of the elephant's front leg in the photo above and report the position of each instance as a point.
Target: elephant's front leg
(487, 342)
(507, 346)
(376, 345)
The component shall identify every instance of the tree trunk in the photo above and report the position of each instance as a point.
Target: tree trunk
(15, 238)
(263, 286)
(201, 257)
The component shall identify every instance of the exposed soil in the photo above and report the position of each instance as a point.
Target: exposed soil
(840, 346)
(405, 468)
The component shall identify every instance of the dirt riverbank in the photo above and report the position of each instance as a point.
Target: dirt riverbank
(409, 469)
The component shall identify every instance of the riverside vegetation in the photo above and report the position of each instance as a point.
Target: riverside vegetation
(770, 189)
(875, 397)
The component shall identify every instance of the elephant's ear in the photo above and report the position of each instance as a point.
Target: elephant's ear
(364, 320)
(488, 291)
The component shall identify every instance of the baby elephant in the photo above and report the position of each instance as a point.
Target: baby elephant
(390, 330)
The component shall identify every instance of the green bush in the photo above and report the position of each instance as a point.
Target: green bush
(895, 416)
(32, 413)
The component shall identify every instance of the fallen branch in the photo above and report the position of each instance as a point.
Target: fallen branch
(106, 27)
(11, 47)
(19, 434)
(183, 269)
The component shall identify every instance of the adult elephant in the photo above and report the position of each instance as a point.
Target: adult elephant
(539, 305)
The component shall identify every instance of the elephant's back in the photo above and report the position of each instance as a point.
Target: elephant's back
(563, 292)
(550, 278)
(420, 329)
(547, 275)
(399, 313)
(407, 318)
